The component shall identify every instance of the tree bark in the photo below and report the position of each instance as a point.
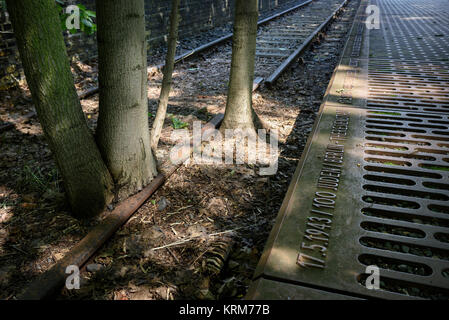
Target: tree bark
(167, 80)
(123, 132)
(239, 111)
(88, 184)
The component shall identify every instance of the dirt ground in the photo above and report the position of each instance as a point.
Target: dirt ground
(201, 234)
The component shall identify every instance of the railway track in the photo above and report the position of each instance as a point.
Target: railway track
(188, 53)
(371, 190)
(281, 39)
(51, 280)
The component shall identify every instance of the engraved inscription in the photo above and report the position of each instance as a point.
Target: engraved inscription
(348, 82)
(313, 249)
(346, 92)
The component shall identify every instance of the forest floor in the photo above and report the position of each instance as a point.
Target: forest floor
(221, 215)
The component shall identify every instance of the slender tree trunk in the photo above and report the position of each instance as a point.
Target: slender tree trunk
(239, 111)
(167, 80)
(123, 132)
(88, 184)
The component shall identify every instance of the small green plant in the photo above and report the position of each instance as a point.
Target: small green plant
(35, 179)
(387, 113)
(178, 124)
(391, 164)
(87, 24)
(5, 202)
(434, 167)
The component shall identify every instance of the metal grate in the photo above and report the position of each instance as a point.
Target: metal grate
(372, 187)
(409, 85)
(411, 30)
(406, 201)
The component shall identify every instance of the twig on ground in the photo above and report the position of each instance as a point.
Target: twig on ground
(18, 249)
(172, 254)
(170, 213)
(196, 259)
(199, 236)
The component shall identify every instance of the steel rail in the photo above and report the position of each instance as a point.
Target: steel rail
(223, 39)
(50, 281)
(287, 62)
(194, 52)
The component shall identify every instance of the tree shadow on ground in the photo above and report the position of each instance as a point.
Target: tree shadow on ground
(196, 209)
(36, 228)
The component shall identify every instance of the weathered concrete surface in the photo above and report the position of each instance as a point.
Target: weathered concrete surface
(264, 289)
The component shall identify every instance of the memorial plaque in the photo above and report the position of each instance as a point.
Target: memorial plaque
(264, 289)
(371, 191)
(365, 196)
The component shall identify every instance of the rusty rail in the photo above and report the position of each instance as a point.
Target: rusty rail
(49, 282)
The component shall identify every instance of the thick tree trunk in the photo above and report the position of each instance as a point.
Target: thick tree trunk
(239, 111)
(88, 184)
(167, 80)
(123, 132)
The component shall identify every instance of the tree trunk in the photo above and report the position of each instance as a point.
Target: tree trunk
(239, 111)
(167, 80)
(88, 184)
(123, 132)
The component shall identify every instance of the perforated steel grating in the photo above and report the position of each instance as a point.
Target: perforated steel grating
(406, 196)
(406, 149)
(372, 188)
(411, 30)
(408, 85)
